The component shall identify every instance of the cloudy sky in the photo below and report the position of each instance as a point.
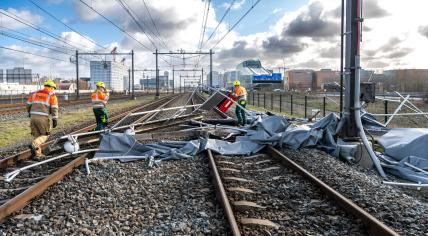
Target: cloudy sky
(294, 34)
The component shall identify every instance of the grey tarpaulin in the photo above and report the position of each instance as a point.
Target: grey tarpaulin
(123, 146)
(406, 146)
(127, 148)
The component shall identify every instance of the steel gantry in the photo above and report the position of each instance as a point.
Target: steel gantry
(157, 53)
(113, 53)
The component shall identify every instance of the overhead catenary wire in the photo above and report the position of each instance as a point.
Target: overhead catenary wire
(156, 28)
(39, 29)
(219, 23)
(29, 37)
(66, 25)
(236, 23)
(33, 42)
(128, 11)
(115, 25)
(119, 28)
(34, 54)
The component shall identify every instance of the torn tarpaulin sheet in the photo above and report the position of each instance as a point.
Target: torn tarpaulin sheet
(403, 142)
(406, 146)
(127, 148)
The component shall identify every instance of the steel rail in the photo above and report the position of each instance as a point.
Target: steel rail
(375, 226)
(221, 195)
(21, 200)
(6, 109)
(26, 154)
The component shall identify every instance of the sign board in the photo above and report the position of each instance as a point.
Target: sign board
(272, 78)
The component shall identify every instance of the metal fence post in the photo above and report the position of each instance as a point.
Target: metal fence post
(291, 104)
(323, 106)
(258, 99)
(306, 106)
(264, 100)
(385, 103)
(253, 98)
(280, 103)
(271, 101)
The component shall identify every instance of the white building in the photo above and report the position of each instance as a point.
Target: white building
(111, 73)
(216, 79)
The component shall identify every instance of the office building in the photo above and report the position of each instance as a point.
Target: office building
(112, 73)
(19, 75)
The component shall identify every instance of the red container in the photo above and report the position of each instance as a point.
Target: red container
(226, 104)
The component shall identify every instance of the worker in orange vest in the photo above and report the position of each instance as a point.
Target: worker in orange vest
(240, 94)
(41, 105)
(99, 99)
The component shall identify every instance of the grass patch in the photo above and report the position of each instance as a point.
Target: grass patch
(261, 109)
(14, 131)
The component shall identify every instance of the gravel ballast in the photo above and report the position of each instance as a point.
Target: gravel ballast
(127, 198)
(404, 213)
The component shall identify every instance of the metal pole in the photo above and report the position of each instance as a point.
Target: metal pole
(280, 103)
(202, 76)
(129, 81)
(147, 84)
(77, 75)
(341, 57)
(291, 104)
(306, 106)
(132, 68)
(323, 107)
(173, 80)
(211, 67)
(385, 103)
(157, 76)
(180, 83)
(271, 101)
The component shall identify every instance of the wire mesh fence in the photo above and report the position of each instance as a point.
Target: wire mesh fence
(320, 105)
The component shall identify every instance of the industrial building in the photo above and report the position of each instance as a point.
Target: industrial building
(164, 82)
(19, 75)
(113, 74)
(300, 79)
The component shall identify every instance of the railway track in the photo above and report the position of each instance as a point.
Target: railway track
(264, 194)
(270, 194)
(32, 182)
(9, 109)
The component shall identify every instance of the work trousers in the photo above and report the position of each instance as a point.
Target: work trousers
(240, 113)
(40, 130)
(101, 116)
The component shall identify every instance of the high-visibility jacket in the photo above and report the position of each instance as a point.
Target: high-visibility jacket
(43, 103)
(240, 93)
(99, 99)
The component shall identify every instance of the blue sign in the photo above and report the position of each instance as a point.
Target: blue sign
(273, 78)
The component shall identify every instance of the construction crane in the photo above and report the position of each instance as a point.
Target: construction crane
(114, 51)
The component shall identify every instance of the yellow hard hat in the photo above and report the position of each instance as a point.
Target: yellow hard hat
(100, 84)
(236, 82)
(50, 83)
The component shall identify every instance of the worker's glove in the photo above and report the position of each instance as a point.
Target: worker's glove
(54, 123)
(29, 115)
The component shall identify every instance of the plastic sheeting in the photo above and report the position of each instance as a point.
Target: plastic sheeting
(405, 149)
(126, 148)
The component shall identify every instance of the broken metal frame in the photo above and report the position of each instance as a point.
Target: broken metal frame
(397, 110)
(11, 175)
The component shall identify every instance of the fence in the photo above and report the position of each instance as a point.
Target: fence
(309, 105)
(294, 104)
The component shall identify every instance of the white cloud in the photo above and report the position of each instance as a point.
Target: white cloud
(26, 15)
(236, 5)
(402, 44)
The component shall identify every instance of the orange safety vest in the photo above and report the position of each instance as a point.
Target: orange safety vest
(241, 93)
(99, 99)
(43, 103)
